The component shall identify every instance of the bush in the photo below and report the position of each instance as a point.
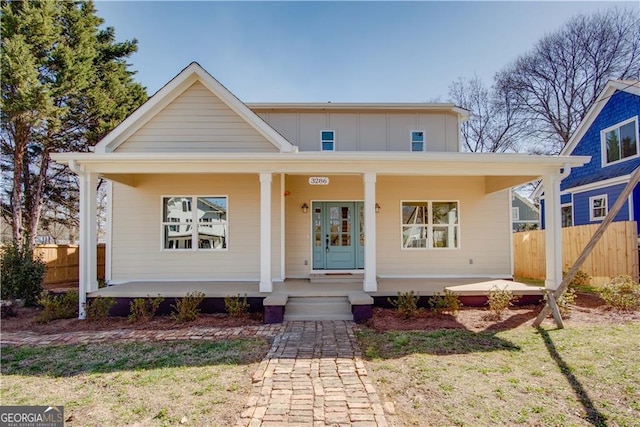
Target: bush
(57, 306)
(580, 280)
(97, 309)
(186, 308)
(500, 300)
(236, 306)
(406, 304)
(447, 303)
(564, 302)
(21, 274)
(622, 294)
(144, 309)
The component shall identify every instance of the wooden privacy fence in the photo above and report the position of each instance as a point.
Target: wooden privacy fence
(62, 263)
(615, 254)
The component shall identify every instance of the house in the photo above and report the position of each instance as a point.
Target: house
(524, 214)
(207, 192)
(609, 134)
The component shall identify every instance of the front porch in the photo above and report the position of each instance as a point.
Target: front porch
(279, 305)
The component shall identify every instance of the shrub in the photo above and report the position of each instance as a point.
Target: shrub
(406, 304)
(447, 303)
(236, 306)
(144, 309)
(564, 302)
(57, 306)
(21, 274)
(186, 308)
(580, 280)
(97, 309)
(622, 294)
(500, 300)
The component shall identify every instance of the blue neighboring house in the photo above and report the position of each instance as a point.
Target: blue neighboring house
(609, 134)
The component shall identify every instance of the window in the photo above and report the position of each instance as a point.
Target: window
(515, 214)
(210, 216)
(620, 142)
(430, 225)
(567, 216)
(417, 140)
(328, 140)
(598, 207)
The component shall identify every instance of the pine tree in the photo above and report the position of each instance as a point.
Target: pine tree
(65, 84)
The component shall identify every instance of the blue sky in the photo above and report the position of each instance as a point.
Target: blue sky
(334, 51)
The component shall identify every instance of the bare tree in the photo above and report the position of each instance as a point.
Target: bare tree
(492, 126)
(553, 86)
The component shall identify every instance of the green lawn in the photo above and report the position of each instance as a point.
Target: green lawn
(588, 375)
(149, 384)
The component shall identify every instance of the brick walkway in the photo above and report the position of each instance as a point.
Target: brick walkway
(313, 376)
(130, 335)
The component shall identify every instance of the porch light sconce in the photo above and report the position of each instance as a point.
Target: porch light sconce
(305, 208)
(377, 208)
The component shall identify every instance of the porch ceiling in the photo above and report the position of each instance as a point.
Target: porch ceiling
(500, 170)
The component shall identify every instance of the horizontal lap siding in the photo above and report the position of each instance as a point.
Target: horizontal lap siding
(484, 228)
(485, 231)
(581, 207)
(137, 238)
(196, 121)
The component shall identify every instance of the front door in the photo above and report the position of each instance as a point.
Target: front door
(338, 230)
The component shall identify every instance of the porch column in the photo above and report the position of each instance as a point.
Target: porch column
(88, 260)
(370, 283)
(265, 232)
(553, 231)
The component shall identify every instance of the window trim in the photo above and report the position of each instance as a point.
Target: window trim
(193, 220)
(593, 218)
(430, 225)
(424, 141)
(515, 213)
(567, 205)
(603, 142)
(323, 140)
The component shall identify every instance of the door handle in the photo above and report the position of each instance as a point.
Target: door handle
(326, 247)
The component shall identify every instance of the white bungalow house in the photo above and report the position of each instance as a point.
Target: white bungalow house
(244, 198)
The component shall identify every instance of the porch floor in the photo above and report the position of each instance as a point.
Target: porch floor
(303, 287)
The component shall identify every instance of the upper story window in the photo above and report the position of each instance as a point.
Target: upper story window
(417, 140)
(598, 207)
(178, 219)
(328, 140)
(620, 142)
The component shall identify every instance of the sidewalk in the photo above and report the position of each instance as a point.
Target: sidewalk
(313, 376)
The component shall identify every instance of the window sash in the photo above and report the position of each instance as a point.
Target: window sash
(598, 207)
(620, 142)
(430, 225)
(203, 228)
(328, 140)
(417, 140)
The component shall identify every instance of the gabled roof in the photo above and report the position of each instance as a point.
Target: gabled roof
(524, 200)
(630, 86)
(191, 74)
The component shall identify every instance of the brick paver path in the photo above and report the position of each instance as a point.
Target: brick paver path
(313, 376)
(130, 335)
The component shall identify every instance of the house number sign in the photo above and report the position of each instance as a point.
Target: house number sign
(318, 180)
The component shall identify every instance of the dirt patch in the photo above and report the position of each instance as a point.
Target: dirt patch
(26, 321)
(588, 309)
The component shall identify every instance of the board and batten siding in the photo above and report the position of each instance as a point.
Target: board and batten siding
(358, 131)
(197, 121)
(137, 253)
(485, 232)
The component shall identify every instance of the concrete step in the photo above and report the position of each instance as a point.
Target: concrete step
(318, 308)
(336, 278)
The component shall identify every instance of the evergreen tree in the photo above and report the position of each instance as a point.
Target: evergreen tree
(65, 84)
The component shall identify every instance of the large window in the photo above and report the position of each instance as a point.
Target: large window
(598, 207)
(417, 140)
(179, 217)
(620, 142)
(328, 140)
(430, 225)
